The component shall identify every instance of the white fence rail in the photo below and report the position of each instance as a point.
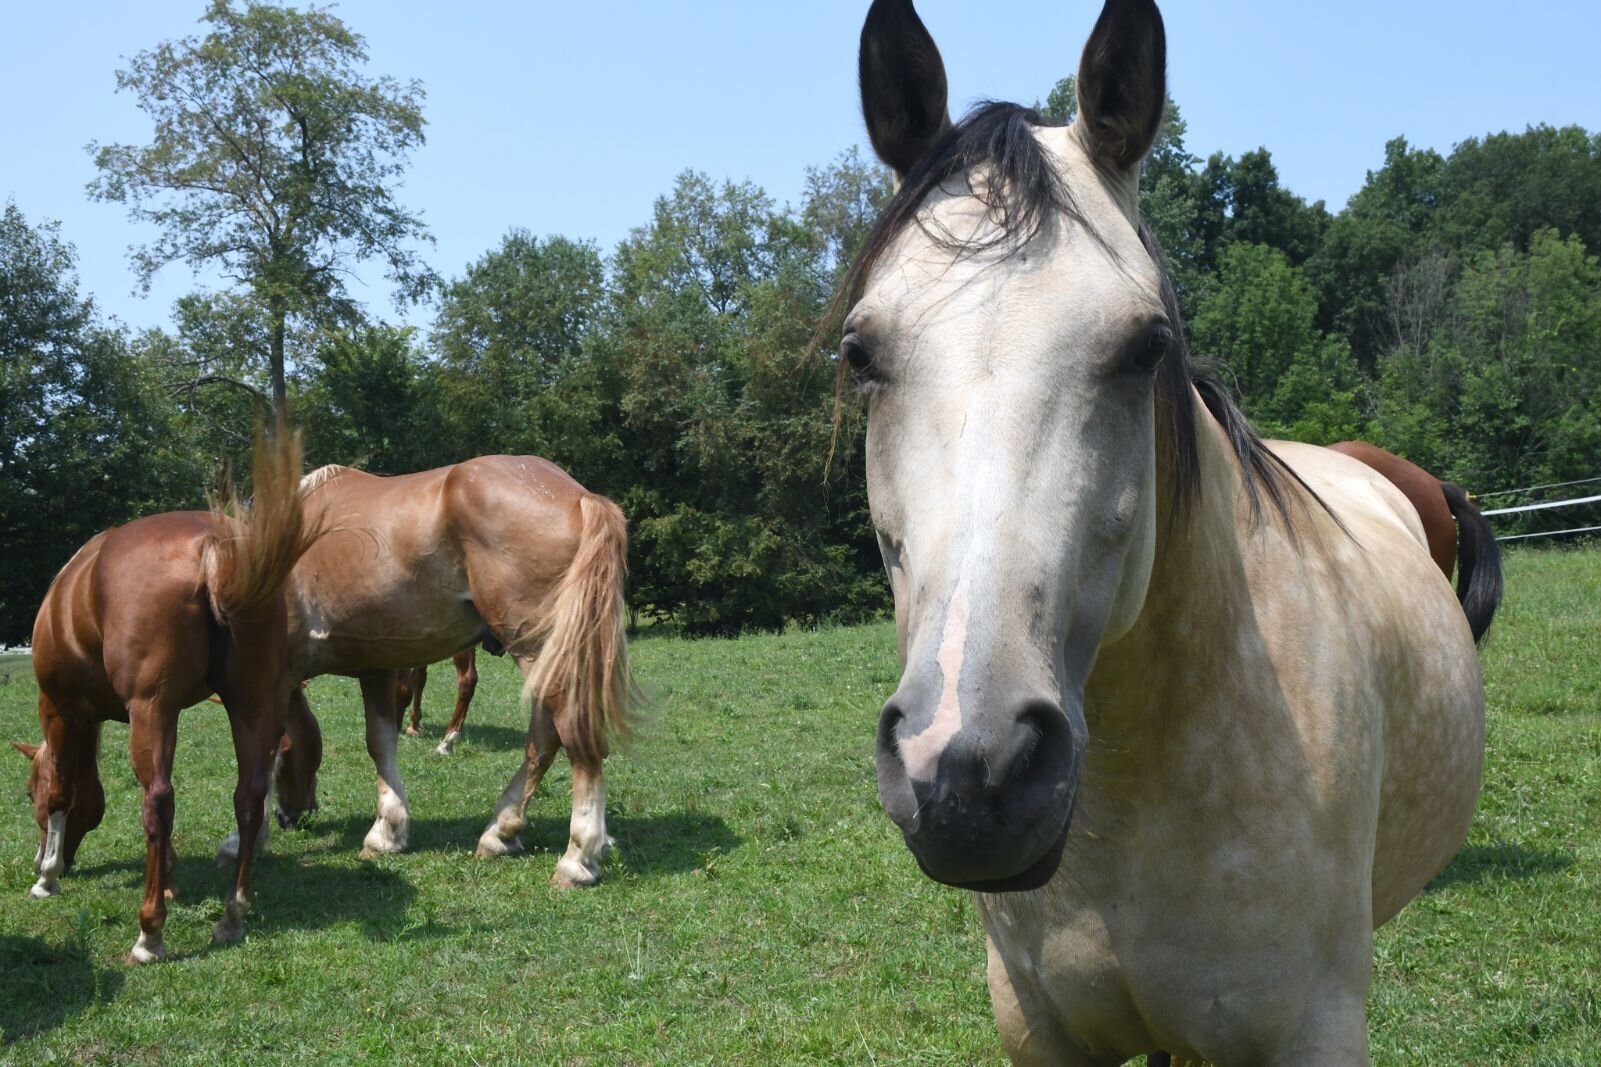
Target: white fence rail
(1547, 505)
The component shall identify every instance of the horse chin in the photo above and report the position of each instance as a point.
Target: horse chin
(1029, 878)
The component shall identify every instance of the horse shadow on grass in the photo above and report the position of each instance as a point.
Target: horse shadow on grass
(1499, 862)
(648, 846)
(42, 986)
(289, 892)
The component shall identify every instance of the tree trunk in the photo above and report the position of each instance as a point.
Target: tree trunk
(280, 395)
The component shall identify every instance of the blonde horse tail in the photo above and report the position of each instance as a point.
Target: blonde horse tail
(584, 656)
(249, 558)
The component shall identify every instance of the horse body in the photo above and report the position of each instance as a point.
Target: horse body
(1191, 712)
(145, 620)
(1453, 526)
(1252, 807)
(420, 567)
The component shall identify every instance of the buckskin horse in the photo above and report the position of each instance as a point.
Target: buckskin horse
(1453, 527)
(1191, 712)
(417, 567)
(145, 620)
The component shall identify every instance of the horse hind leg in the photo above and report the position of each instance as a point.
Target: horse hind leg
(466, 686)
(587, 841)
(419, 678)
(500, 837)
(152, 737)
(255, 733)
(390, 830)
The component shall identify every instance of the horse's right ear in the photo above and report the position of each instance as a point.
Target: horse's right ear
(27, 750)
(903, 85)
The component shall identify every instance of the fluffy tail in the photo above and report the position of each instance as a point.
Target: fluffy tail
(249, 560)
(1478, 566)
(584, 657)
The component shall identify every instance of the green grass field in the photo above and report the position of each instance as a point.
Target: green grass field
(760, 909)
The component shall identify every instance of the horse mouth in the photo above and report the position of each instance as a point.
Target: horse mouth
(1032, 877)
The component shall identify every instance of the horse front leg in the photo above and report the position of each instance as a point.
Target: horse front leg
(152, 736)
(389, 830)
(60, 758)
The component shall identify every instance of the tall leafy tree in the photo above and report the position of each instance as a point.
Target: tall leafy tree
(510, 337)
(88, 435)
(274, 161)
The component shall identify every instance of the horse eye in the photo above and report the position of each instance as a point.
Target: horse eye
(1157, 343)
(852, 351)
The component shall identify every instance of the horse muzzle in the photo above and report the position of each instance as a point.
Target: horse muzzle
(990, 810)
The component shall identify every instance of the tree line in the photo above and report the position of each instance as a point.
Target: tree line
(1451, 312)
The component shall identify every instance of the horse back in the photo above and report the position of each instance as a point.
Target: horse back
(1421, 489)
(417, 566)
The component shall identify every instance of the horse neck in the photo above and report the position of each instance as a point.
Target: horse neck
(1197, 608)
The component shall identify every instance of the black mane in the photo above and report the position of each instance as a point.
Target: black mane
(1024, 194)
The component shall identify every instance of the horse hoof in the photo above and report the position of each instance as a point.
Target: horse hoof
(147, 950)
(491, 844)
(571, 874)
(227, 933)
(44, 890)
(412, 731)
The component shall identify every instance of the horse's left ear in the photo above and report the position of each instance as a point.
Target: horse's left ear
(27, 750)
(1122, 83)
(903, 85)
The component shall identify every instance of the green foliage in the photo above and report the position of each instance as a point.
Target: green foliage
(88, 435)
(1500, 392)
(273, 161)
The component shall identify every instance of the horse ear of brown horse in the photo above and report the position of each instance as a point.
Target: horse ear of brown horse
(28, 750)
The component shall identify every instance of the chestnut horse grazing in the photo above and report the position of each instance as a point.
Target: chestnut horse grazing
(417, 567)
(1453, 527)
(1191, 712)
(410, 691)
(145, 620)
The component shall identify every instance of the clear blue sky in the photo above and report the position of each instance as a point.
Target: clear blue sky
(573, 118)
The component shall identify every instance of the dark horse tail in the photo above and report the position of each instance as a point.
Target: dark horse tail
(584, 655)
(248, 559)
(1478, 567)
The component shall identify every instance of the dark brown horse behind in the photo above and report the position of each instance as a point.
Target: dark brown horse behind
(145, 620)
(1457, 533)
(410, 692)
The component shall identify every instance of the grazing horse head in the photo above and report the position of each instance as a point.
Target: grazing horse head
(85, 809)
(1008, 329)
(299, 759)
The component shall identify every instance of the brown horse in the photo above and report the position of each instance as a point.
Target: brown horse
(145, 620)
(1454, 527)
(410, 690)
(422, 566)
